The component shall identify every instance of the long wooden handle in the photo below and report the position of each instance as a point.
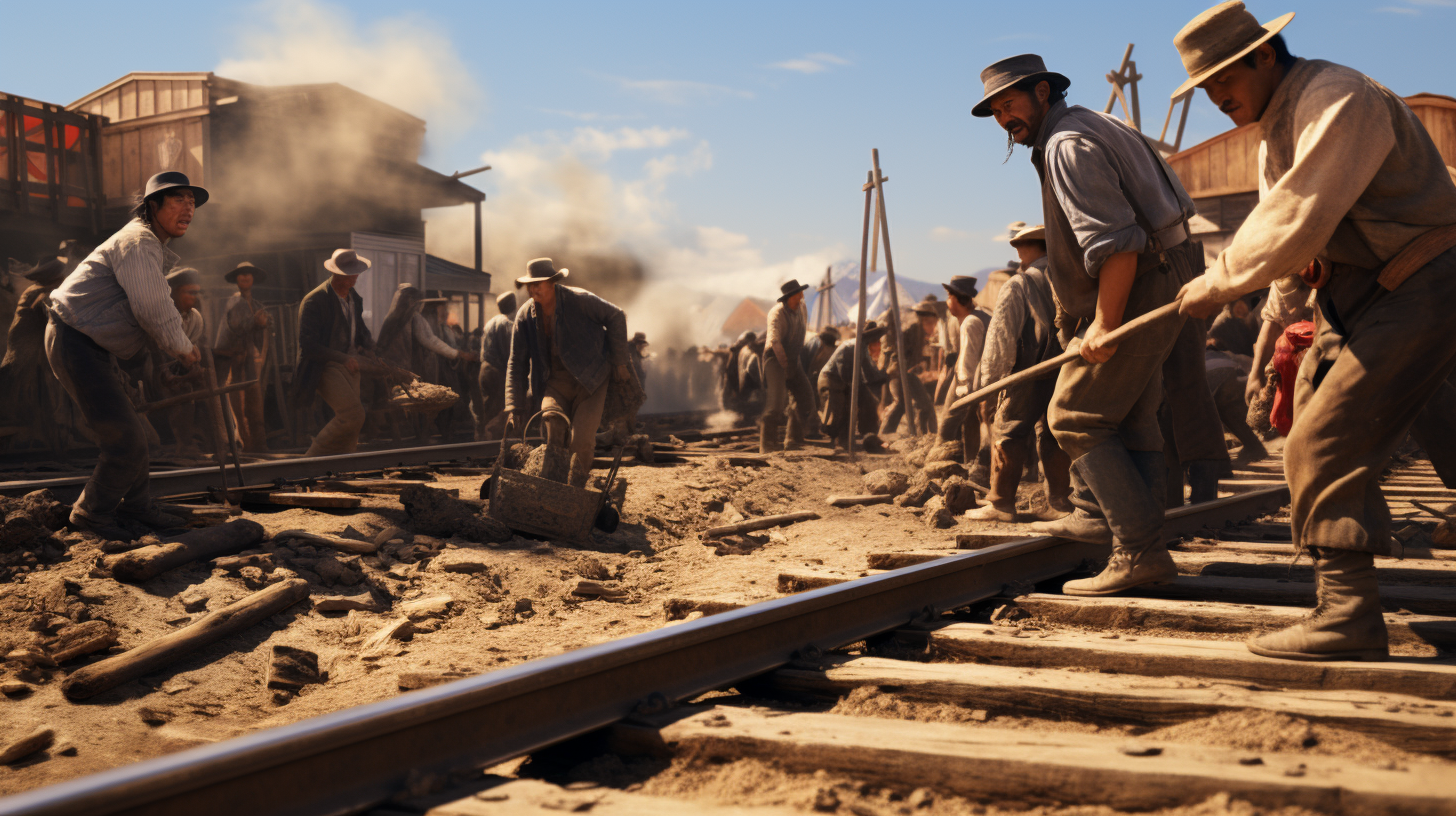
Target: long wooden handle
(1049, 367)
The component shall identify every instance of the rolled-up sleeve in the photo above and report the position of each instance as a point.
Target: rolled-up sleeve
(1087, 186)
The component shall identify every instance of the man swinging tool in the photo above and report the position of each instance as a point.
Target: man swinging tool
(1117, 238)
(1348, 175)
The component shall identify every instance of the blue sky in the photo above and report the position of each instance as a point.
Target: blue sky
(724, 143)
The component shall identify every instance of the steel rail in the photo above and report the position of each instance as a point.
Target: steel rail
(346, 761)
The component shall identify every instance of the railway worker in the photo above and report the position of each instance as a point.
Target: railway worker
(332, 335)
(176, 377)
(25, 378)
(107, 309)
(565, 344)
(1350, 175)
(241, 351)
(783, 372)
(1022, 333)
(837, 378)
(1118, 246)
(638, 345)
(960, 426)
(411, 340)
(910, 352)
(495, 352)
(817, 350)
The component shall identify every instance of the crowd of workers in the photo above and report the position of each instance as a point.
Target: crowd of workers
(1328, 326)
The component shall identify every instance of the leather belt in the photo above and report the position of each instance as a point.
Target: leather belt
(1417, 254)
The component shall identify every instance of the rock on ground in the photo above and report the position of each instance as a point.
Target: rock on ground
(886, 482)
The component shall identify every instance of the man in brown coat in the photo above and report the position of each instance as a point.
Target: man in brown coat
(1350, 176)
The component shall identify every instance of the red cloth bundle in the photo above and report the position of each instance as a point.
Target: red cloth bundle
(1288, 352)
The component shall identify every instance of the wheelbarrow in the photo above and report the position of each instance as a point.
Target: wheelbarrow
(551, 509)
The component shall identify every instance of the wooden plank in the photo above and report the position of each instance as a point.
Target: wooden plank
(1422, 600)
(1408, 633)
(391, 486)
(194, 151)
(1157, 656)
(807, 579)
(1285, 548)
(111, 168)
(1218, 163)
(1412, 723)
(1064, 768)
(862, 500)
(128, 101)
(525, 796)
(761, 523)
(111, 105)
(980, 541)
(195, 94)
(1279, 566)
(163, 95)
(131, 164)
(179, 95)
(146, 97)
(321, 500)
(907, 558)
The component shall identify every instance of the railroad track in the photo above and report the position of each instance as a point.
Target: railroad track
(902, 628)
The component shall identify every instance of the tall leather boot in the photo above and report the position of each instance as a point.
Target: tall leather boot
(1056, 472)
(1203, 480)
(1006, 464)
(1128, 486)
(795, 436)
(768, 436)
(1085, 523)
(1346, 624)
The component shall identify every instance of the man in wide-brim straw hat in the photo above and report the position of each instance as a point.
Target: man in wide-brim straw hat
(332, 336)
(1022, 333)
(565, 344)
(1118, 247)
(1351, 179)
(783, 373)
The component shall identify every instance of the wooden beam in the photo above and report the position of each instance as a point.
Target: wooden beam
(1422, 600)
(1412, 723)
(1158, 657)
(1065, 768)
(517, 797)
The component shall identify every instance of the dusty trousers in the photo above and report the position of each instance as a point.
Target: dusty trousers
(1197, 430)
(782, 385)
(491, 422)
(583, 408)
(834, 409)
(922, 409)
(1378, 357)
(1020, 413)
(1435, 431)
(248, 403)
(121, 479)
(339, 388)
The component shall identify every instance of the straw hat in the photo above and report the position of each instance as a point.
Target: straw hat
(1036, 233)
(1218, 37)
(998, 76)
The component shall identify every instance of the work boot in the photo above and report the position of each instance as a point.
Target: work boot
(1346, 624)
(1203, 480)
(1007, 462)
(1128, 486)
(108, 527)
(152, 516)
(1078, 525)
(768, 436)
(795, 438)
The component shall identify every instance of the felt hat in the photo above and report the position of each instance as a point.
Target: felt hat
(245, 268)
(790, 288)
(639, 338)
(347, 262)
(829, 334)
(926, 307)
(1218, 37)
(48, 272)
(541, 270)
(1036, 233)
(171, 180)
(963, 285)
(998, 76)
(506, 302)
(872, 332)
(184, 276)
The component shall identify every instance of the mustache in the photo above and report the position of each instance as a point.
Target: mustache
(1011, 126)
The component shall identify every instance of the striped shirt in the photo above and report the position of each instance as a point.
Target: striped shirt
(119, 295)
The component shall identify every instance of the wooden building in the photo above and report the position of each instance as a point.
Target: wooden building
(1222, 173)
(49, 178)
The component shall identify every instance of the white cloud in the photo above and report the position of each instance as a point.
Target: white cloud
(812, 63)
(606, 142)
(584, 116)
(948, 234)
(1399, 10)
(678, 91)
(399, 60)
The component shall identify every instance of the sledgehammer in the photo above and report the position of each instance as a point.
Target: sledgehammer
(1073, 352)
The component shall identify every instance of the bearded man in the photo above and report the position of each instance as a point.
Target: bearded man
(1118, 247)
(1349, 176)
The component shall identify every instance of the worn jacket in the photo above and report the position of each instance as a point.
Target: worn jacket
(1023, 329)
(1346, 172)
(590, 336)
(239, 334)
(814, 356)
(839, 371)
(1104, 192)
(323, 336)
(495, 342)
(119, 295)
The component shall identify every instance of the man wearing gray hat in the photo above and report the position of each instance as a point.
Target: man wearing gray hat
(565, 344)
(495, 353)
(783, 373)
(1118, 247)
(1350, 177)
(332, 335)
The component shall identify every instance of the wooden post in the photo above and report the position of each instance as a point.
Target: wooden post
(194, 545)
(1112, 97)
(859, 321)
(219, 433)
(909, 414)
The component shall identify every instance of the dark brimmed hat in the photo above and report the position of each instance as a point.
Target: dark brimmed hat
(998, 76)
(347, 262)
(541, 270)
(48, 272)
(790, 288)
(963, 285)
(639, 337)
(245, 268)
(172, 180)
(829, 334)
(184, 276)
(1213, 40)
(506, 302)
(872, 332)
